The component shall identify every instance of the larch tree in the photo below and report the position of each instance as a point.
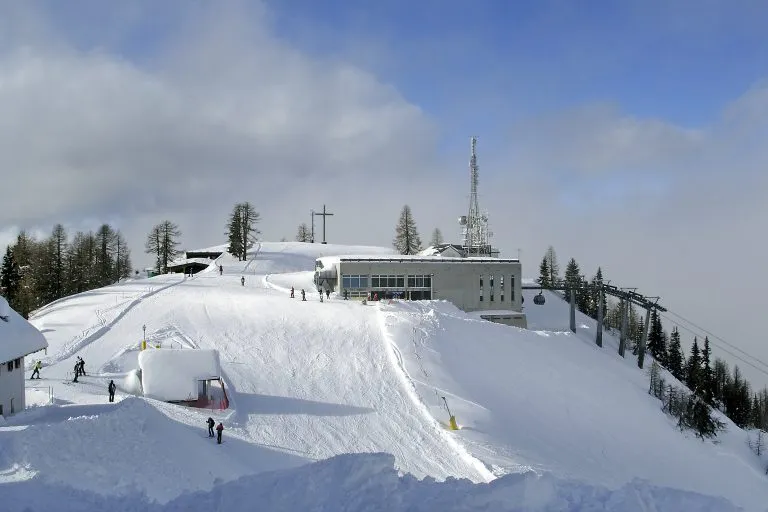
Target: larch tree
(241, 229)
(407, 239)
(170, 234)
(304, 234)
(154, 246)
(105, 242)
(693, 368)
(554, 268)
(123, 265)
(437, 237)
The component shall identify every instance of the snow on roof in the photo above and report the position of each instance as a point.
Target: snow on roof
(173, 374)
(189, 261)
(18, 337)
(333, 260)
(437, 250)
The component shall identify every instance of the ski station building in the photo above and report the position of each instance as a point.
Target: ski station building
(488, 285)
(18, 339)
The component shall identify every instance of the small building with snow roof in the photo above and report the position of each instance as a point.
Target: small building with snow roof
(190, 376)
(18, 339)
(487, 284)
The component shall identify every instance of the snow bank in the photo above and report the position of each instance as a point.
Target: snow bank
(169, 374)
(120, 450)
(370, 482)
(550, 401)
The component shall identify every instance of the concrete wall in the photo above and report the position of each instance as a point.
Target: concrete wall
(12, 387)
(455, 281)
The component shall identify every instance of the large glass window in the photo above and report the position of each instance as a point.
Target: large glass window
(481, 288)
(512, 288)
(490, 282)
(386, 281)
(354, 282)
(501, 288)
(423, 281)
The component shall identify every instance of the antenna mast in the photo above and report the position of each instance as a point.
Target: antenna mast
(476, 233)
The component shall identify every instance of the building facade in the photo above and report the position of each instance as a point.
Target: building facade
(471, 284)
(18, 338)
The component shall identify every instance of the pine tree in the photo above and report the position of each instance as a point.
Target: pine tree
(122, 264)
(656, 339)
(572, 279)
(303, 234)
(241, 229)
(105, 243)
(544, 274)
(10, 277)
(437, 238)
(554, 268)
(406, 239)
(693, 368)
(707, 380)
(721, 376)
(59, 241)
(596, 296)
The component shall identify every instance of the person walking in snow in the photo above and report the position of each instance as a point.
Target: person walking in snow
(82, 367)
(303, 295)
(242, 280)
(219, 430)
(210, 423)
(221, 270)
(321, 295)
(36, 370)
(327, 293)
(346, 294)
(291, 291)
(111, 388)
(77, 371)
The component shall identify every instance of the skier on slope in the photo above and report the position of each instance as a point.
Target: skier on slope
(221, 270)
(242, 280)
(36, 370)
(219, 430)
(291, 291)
(303, 295)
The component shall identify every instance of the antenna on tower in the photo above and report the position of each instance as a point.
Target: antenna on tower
(475, 225)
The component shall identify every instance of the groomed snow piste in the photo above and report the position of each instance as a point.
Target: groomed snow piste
(339, 406)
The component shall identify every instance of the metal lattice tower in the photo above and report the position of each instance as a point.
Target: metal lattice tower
(475, 225)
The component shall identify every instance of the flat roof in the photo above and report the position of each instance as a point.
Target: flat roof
(426, 259)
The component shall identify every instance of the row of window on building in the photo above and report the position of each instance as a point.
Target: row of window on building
(16, 363)
(492, 290)
(358, 282)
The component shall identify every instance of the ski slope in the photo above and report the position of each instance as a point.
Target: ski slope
(549, 421)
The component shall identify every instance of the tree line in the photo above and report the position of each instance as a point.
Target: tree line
(36, 272)
(707, 380)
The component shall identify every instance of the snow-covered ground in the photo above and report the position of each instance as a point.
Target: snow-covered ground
(339, 406)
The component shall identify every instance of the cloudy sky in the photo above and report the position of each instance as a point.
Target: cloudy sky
(628, 135)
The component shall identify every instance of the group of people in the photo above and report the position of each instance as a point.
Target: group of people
(304, 294)
(79, 368)
(219, 429)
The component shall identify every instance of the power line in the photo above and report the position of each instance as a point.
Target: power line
(761, 370)
(721, 339)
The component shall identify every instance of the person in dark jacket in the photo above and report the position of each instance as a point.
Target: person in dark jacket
(242, 280)
(303, 295)
(221, 269)
(112, 388)
(291, 291)
(77, 371)
(219, 430)
(211, 423)
(327, 293)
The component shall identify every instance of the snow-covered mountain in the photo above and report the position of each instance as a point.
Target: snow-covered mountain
(342, 406)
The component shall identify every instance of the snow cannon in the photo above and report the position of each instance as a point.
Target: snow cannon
(451, 417)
